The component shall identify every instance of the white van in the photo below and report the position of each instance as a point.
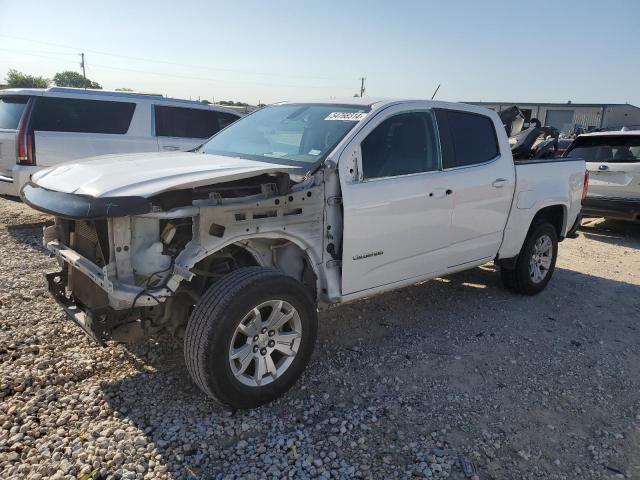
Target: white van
(43, 127)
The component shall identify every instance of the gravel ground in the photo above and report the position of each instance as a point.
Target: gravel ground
(454, 378)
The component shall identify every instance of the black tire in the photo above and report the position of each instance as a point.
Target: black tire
(214, 320)
(519, 279)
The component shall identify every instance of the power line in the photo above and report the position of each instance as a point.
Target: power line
(206, 79)
(99, 52)
(22, 52)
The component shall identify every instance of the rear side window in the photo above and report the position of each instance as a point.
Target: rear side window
(401, 145)
(225, 119)
(604, 149)
(11, 109)
(52, 114)
(190, 122)
(466, 138)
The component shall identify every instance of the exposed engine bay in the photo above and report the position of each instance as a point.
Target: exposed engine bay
(127, 277)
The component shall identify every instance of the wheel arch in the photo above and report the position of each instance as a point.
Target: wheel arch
(286, 253)
(522, 221)
(556, 215)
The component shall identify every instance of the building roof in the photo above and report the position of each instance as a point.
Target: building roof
(557, 104)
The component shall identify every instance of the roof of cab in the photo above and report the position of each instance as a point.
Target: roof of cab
(355, 101)
(376, 103)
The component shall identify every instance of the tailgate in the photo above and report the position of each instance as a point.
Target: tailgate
(615, 180)
(8, 147)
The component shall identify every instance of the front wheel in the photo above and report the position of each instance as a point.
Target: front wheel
(250, 337)
(536, 262)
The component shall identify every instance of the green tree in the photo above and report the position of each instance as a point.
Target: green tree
(16, 79)
(124, 89)
(231, 103)
(74, 79)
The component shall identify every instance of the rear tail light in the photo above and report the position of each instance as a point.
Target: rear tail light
(585, 186)
(26, 144)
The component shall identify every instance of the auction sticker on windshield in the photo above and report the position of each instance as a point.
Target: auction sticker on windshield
(348, 116)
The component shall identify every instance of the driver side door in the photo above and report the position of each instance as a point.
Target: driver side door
(397, 208)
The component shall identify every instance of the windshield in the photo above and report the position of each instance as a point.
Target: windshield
(293, 134)
(614, 149)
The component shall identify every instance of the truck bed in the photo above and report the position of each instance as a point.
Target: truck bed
(540, 183)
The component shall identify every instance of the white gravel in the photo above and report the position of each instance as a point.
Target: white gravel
(453, 378)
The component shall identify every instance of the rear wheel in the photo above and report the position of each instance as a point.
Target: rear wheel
(250, 336)
(536, 261)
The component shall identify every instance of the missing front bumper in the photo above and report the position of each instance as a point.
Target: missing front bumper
(99, 323)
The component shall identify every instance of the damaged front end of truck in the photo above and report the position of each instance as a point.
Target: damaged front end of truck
(141, 237)
(132, 266)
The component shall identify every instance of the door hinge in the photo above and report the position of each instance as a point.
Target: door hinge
(331, 201)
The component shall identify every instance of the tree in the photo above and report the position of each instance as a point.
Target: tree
(74, 79)
(124, 89)
(16, 79)
(231, 103)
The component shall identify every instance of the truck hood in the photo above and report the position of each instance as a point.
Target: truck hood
(147, 174)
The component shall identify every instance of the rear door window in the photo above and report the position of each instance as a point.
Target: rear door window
(11, 110)
(466, 138)
(606, 149)
(190, 122)
(54, 114)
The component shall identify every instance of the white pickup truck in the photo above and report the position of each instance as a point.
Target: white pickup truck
(294, 208)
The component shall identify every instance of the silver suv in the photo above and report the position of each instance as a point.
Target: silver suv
(613, 162)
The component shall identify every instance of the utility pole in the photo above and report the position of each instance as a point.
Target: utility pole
(362, 90)
(83, 72)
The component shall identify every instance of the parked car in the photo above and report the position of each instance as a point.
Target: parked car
(613, 161)
(45, 127)
(294, 208)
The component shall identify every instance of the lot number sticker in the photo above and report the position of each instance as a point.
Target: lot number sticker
(348, 116)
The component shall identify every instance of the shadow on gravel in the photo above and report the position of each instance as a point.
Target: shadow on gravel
(453, 331)
(29, 234)
(10, 199)
(615, 232)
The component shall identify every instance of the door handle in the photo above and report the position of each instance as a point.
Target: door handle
(170, 148)
(499, 182)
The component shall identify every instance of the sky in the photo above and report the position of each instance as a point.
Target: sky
(268, 51)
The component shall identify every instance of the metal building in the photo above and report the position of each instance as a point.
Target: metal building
(567, 116)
